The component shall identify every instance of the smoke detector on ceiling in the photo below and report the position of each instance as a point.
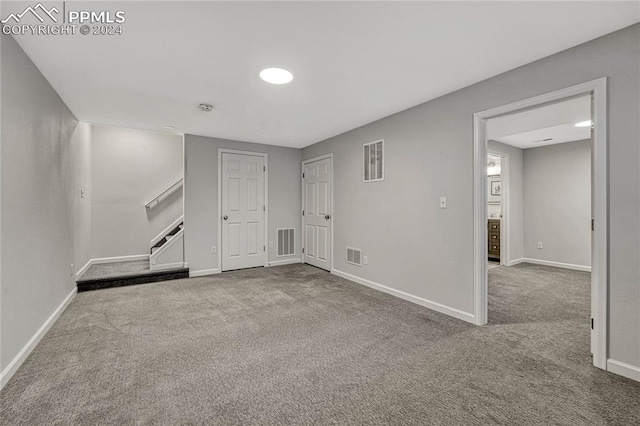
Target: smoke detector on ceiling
(205, 107)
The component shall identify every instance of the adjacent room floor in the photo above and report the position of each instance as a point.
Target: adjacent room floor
(297, 345)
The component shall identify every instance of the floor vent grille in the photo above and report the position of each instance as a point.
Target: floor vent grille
(286, 241)
(354, 256)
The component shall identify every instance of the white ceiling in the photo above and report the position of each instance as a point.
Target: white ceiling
(353, 62)
(547, 125)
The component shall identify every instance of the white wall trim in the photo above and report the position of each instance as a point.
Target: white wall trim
(203, 272)
(555, 264)
(456, 313)
(266, 199)
(623, 369)
(599, 263)
(101, 260)
(166, 266)
(115, 259)
(16, 362)
(283, 262)
(517, 261)
(84, 269)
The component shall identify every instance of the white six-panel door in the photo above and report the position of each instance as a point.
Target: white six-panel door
(243, 211)
(317, 213)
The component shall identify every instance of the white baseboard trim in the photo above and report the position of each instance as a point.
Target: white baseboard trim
(465, 316)
(516, 261)
(623, 369)
(556, 264)
(84, 268)
(13, 366)
(283, 262)
(120, 259)
(164, 266)
(203, 272)
(101, 260)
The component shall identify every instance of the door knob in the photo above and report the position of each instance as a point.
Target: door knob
(327, 217)
(225, 217)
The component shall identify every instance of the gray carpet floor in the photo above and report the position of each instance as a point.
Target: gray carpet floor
(116, 269)
(296, 345)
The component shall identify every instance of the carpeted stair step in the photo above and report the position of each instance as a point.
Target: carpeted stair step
(141, 278)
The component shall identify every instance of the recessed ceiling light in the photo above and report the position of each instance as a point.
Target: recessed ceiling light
(276, 75)
(583, 123)
(169, 127)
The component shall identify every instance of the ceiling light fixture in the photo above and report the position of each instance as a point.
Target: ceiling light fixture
(276, 75)
(169, 127)
(205, 107)
(583, 123)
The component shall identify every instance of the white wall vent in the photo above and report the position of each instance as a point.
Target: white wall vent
(354, 256)
(373, 154)
(286, 240)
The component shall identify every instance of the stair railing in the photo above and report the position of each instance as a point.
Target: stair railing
(158, 198)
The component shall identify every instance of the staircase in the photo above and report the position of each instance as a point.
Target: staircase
(167, 238)
(167, 248)
(165, 262)
(120, 274)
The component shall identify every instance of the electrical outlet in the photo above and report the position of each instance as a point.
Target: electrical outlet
(71, 270)
(213, 250)
(539, 244)
(443, 202)
(365, 260)
(270, 244)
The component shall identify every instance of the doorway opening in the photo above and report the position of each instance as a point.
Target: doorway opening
(497, 190)
(595, 93)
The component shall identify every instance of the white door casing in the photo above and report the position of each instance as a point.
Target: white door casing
(599, 254)
(243, 211)
(317, 213)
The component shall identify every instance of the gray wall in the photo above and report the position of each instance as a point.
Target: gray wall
(82, 206)
(428, 252)
(557, 203)
(516, 207)
(38, 200)
(201, 196)
(129, 168)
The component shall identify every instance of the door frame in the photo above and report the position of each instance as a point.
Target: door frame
(505, 257)
(303, 233)
(265, 156)
(599, 247)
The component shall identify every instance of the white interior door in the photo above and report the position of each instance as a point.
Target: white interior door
(317, 213)
(243, 211)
